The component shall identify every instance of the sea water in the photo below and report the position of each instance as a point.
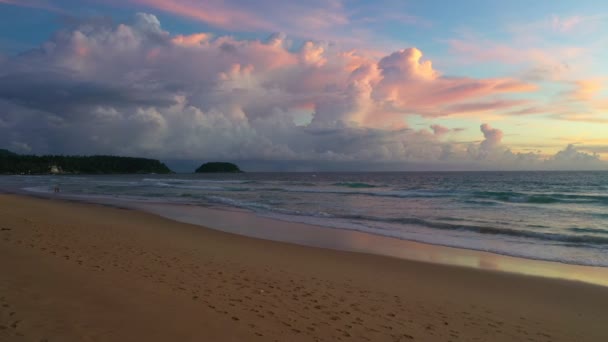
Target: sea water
(555, 216)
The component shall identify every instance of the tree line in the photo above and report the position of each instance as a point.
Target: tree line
(12, 163)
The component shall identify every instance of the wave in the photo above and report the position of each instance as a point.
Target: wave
(586, 239)
(255, 206)
(355, 185)
(390, 193)
(481, 202)
(38, 189)
(304, 184)
(549, 198)
(482, 198)
(589, 230)
(175, 181)
(415, 221)
(520, 249)
(197, 187)
(373, 188)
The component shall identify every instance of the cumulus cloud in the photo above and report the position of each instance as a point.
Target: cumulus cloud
(136, 89)
(407, 64)
(191, 40)
(492, 137)
(571, 156)
(439, 130)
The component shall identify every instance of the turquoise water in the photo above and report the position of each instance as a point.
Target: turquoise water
(557, 216)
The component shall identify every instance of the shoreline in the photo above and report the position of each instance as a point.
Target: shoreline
(231, 220)
(83, 271)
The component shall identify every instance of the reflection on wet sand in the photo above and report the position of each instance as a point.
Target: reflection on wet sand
(245, 223)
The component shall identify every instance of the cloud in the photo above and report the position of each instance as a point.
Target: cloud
(312, 17)
(492, 137)
(38, 4)
(411, 84)
(582, 100)
(577, 24)
(538, 61)
(350, 23)
(581, 117)
(484, 106)
(490, 148)
(565, 24)
(586, 89)
(407, 63)
(572, 157)
(599, 149)
(564, 71)
(136, 89)
(439, 130)
(192, 39)
(216, 13)
(558, 26)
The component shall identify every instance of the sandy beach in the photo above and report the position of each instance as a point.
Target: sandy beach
(84, 272)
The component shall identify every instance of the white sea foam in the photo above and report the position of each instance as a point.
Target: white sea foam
(39, 189)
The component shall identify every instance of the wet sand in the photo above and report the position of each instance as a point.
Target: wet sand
(83, 272)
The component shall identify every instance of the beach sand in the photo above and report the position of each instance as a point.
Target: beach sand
(83, 272)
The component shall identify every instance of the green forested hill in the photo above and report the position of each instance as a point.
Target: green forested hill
(11, 163)
(217, 167)
(5, 153)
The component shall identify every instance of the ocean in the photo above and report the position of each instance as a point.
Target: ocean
(554, 216)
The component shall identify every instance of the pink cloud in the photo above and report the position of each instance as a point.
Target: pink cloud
(483, 106)
(192, 39)
(408, 82)
(320, 18)
(312, 54)
(187, 96)
(528, 111)
(39, 4)
(486, 51)
(381, 92)
(212, 12)
(582, 101)
(408, 63)
(253, 79)
(566, 24)
(582, 117)
(448, 91)
(586, 89)
(481, 52)
(330, 20)
(307, 20)
(538, 63)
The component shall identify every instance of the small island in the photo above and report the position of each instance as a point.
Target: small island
(12, 163)
(218, 167)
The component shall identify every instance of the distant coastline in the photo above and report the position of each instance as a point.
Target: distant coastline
(15, 164)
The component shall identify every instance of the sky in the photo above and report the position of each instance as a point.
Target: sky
(310, 85)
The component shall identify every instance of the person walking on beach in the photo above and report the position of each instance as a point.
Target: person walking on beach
(56, 189)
